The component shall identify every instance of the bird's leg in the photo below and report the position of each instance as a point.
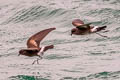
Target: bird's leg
(105, 31)
(102, 35)
(34, 62)
(40, 57)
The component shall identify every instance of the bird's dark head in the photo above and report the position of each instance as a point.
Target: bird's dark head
(73, 31)
(22, 52)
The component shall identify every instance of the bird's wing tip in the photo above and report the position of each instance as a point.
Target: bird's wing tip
(53, 28)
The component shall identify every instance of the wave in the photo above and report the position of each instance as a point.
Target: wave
(97, 76)
(34, 13)
(102, 76)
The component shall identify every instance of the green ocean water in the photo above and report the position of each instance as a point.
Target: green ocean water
(86, 57)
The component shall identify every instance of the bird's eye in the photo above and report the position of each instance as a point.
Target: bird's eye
(73, 31)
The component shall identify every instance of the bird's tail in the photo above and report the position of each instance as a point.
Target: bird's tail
(96, 28)
(101, 28)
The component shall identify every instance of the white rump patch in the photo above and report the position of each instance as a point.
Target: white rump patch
(41, 51)
(94, 29)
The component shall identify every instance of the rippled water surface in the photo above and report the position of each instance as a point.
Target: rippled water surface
(86, 57)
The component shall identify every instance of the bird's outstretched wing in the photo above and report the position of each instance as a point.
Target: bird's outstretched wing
(77, 22)
(34, 41)
(80, 24)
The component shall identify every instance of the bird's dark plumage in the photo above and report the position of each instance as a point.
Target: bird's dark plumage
(81, 28)
(33, 44)
(34, 41)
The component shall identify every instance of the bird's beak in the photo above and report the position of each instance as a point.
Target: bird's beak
(19, 54)
(71, 33)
